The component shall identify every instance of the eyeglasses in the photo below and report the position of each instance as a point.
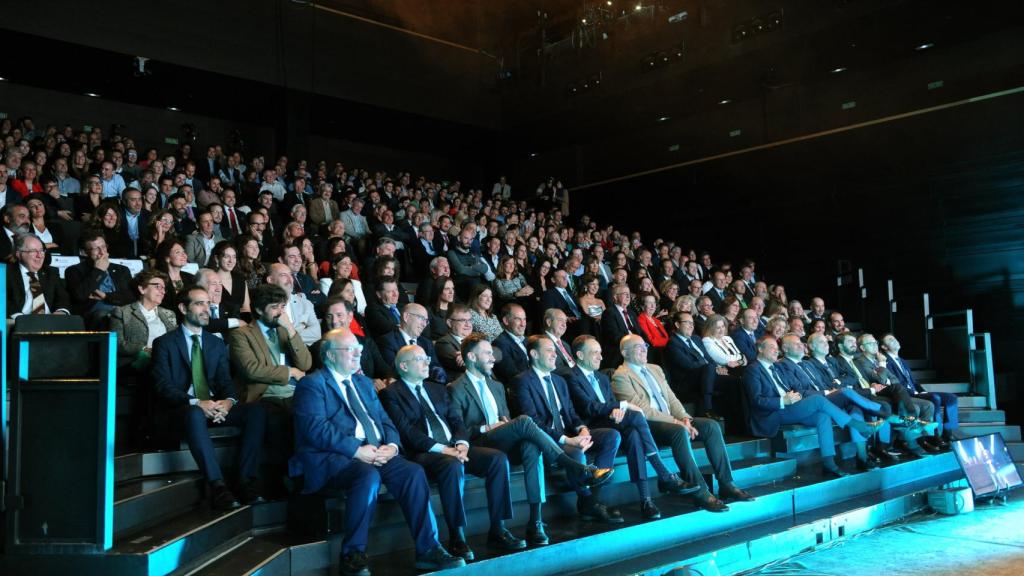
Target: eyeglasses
(640, 347)
(157, 285)
(420, 358)
(460, 320)
(353, 349)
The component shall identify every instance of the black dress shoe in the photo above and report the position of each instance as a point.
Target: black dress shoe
(710, 503)
(461, 549)
(248, 493)
(595, 476)
(222, 499)
(505, 540)
(928, 446)
(438, 559)
(676, 485)
(940, 443)
(535, 534)
(649, 511)
(597, 512)
(886, 455)
(734, 492)
(711, 414)
(353, 564)
(868, 464)
(834, 472)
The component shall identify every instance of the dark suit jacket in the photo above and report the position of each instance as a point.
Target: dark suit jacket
(53, 289)
(531, 397)
(325, 439)
(83, 279)
(311, 288)
(552, 298)
(764, 401)
(804, 383)
(410, 417)
(613, 328)
(467, 402)
(442, 242)
(902, 374)
(824, 376)
(716, 300)
(6, 245)
(747, 346)
(447, 350)
(421, 261)
(592, 410)
(682, 365)
(392, 342)
(140, 248)
(379, 320)
(172, 370)
(513, 359)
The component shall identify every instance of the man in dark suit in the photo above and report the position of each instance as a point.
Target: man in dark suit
(449, 346)
(481, 402)
(15, 221)
(340, 313)
(434, 436)
(717, 292)
(382, 315)
(617, 322)
(597, 406)
(193, 382)
(555, 324)
(344, 439)
(291, 256)
(940, 400)
(690, 371)
(423, 252)
(774, 402)
(97, 285)
(745, 336)
(439, 268)
(558, 296)
(410, 332)
(135, 220)
(31, 288)
(511, 344)
(544, 396)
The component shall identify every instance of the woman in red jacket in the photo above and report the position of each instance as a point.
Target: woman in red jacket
(28, 180)
(653, 330)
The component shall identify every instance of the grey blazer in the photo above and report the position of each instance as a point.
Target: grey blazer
(133, 331)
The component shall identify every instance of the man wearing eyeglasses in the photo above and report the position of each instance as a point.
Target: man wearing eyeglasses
(344, 439)
(96, 284)
(449, 346)
(644, 385)
(410, 333)
(31, 288)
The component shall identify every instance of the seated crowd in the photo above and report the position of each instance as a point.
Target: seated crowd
(364, 328)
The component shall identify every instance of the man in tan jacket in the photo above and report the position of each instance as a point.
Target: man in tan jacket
(644, 385)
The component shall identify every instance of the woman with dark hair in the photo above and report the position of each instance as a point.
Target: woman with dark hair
(88, 200)
(249, 264)
(730, 310)
(309, 265)
(486, 322)
(652, 329)
(444, 296)
(510, 284)
(235, 292)
(170, 259)
(51, 236)
(590, 303)
(386, 266)
(342, 270)
(669, 290)
(107, 220)
(160, 228)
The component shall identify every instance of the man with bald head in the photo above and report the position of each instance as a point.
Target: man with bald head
(434, 437)
(344, 439)
(299, 309)
(644, 385)
(410, 332)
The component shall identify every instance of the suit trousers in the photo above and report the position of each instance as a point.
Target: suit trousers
(406, 481)
(602, 453)
(678, 438)
(252, 418)
(817, 411)
(450, 475)
(524, 443)
(939, 401)
(637, 442)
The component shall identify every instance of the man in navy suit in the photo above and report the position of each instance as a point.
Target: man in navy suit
(745, 336)
(291, 256)
(940, 400)
(410, 332)
(344, 439)
(774, 402)
(434, 436)
(191, 378)
(688, 368)
(596, 405)
(617, 322)
(558, 296)
(544, 397)
(512, 344)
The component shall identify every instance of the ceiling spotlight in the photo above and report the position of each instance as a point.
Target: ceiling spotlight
(638, 7)
(838, 70)
(724, 101)
(92, 95)
(584, 21)
(595, 80)
(924, 46)
(664, 118)
(2, 79)
(533, 154)
(173, 109)
(663, 56)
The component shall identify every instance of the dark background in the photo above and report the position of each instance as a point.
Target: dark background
(933, 200)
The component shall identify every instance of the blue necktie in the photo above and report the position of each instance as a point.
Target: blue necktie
(778, 379)
(572, 305)
(659, 400)
(357, 411)
(596, 386)
(394, 314)
(556, 416)
(491, 417)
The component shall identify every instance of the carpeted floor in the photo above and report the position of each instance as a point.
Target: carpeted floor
(988, 542)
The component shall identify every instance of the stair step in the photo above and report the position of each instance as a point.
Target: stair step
(916, 363)
(755, 472)
(951, 387)
(923, 375)
(971, 401)
(140, 464)
(255, 556)
(1016, 451)
(983, 416)
(1010, 433)
(168, 546)
(143, 502)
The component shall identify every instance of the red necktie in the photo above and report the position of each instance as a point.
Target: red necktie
(232, 221)
(629, 323)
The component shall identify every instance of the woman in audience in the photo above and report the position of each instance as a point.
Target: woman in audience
(170, 259)
(719, 344)
(224, 261)
(27, 181)
(344, 288)
(107, 219)
(342, 270)
(140, 323)
(160, 228)
(590, 303)
(777, 327)
(510, 284)
(150, 199)
(522, 256)
(651, 328)
(684, 303)
(444, 296)
(819, 327)
(778, 294)
(309, 265)
(249, 264)
(730, 310)
(644, 286)
(79, 166)
(386, 266)
(484, 321)
(89, 199)
(796, 310)
(669, 290)
(335, 245)
(50, 236)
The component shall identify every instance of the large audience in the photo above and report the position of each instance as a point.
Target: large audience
(362, 327)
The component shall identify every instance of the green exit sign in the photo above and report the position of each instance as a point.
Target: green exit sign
(936, 84)
(849, 105)
(170, 140)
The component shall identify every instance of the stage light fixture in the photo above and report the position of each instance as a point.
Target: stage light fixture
(664, 118)
(92, 95)
(924, 46)
(724, 101)
(173, 109)
(638, 7)
(839, 69)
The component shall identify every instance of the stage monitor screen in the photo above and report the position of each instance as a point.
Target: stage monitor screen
(987, 464)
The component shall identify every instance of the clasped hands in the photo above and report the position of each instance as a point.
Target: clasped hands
(376, 455)
(216, 410)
